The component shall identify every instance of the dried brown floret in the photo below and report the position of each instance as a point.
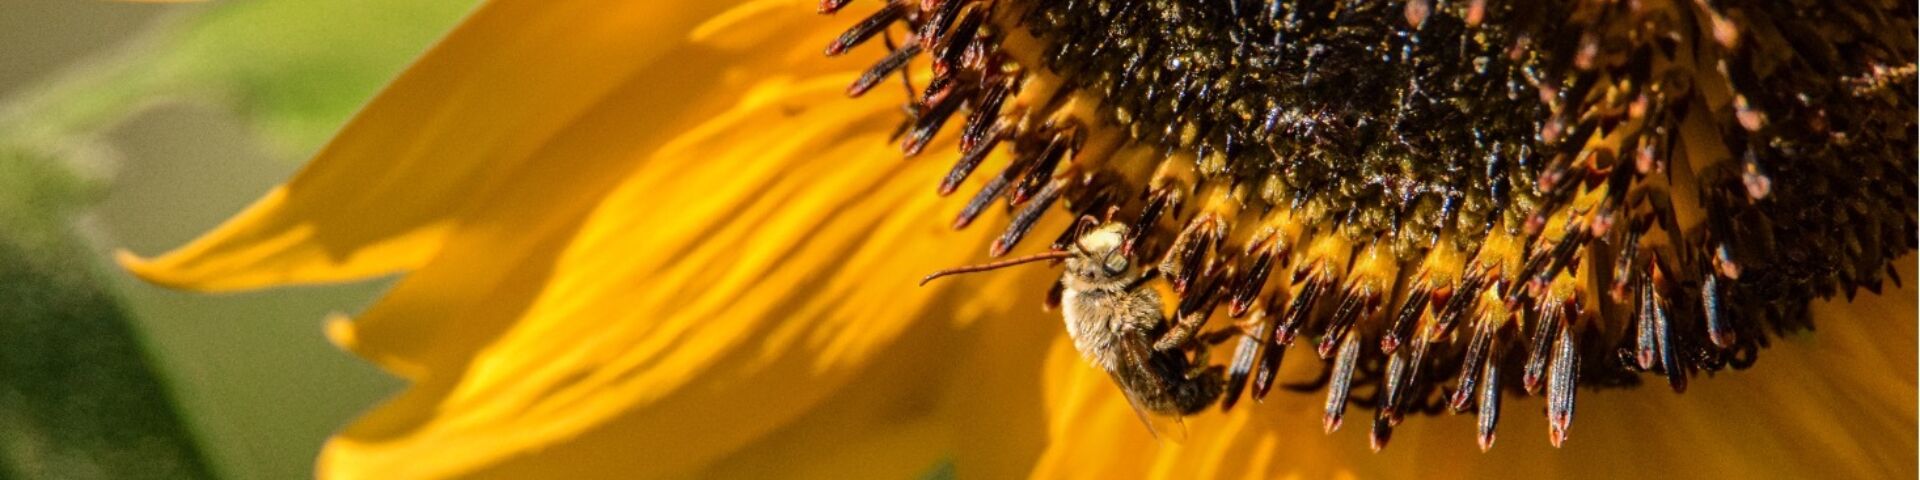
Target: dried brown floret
(1437, 194)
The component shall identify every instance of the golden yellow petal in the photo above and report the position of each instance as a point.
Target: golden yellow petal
(998, 391)
(456, 131)
(888, 422)
(1833, 404)
(738, 277)
(964, 399)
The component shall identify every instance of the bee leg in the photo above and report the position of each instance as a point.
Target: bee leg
(1200, 356)
(1191, 314)
(1180, 333)
(1053, 296)
(1223, 335)
(1200, 364)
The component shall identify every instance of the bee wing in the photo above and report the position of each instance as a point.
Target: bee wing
(1165, 427)
(1160, 426)
(1138, 409)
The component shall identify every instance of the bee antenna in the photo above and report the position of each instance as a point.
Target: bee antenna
(1048, 255)
(1080, 227)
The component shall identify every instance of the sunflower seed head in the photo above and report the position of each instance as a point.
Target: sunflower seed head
(1427, 189)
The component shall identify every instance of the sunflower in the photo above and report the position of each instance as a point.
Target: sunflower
(657, 239)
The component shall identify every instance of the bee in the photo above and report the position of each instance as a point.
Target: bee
(1116, 322)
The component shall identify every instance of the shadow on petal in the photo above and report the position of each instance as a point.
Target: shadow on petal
(738, 278)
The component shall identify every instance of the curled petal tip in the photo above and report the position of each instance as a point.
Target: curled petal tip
(132, 262)
(339, 330)
(153, 270)
(344, 333)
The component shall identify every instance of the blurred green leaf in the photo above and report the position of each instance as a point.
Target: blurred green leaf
(77, 394)
(36, 196)
(297, 70)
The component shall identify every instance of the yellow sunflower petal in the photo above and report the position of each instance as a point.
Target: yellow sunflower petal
(888, 422)
(996, 393)
(739, 276)
(939, 398)
(456, 129)
(1836, 403)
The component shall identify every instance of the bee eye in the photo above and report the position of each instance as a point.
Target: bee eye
(1116, 264)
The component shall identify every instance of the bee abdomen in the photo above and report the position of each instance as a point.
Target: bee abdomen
(1198, 393)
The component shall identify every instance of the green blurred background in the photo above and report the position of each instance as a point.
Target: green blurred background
(138, 126)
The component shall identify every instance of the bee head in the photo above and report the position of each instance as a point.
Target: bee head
(1099, 255)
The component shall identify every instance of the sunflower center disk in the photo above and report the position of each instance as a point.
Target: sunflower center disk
(1447, 202)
